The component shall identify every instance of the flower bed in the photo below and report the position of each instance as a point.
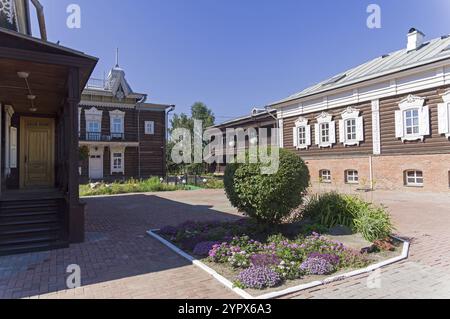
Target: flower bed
(259, 259)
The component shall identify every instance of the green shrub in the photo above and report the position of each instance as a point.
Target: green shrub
(374, 224)
(214, 183)
(329, 210)
(268, 198)
(130, 186)
(333, 209)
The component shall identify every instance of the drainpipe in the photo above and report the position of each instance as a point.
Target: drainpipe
(139, 103)
(277, 125)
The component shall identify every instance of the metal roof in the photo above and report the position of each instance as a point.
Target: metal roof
(432, 51)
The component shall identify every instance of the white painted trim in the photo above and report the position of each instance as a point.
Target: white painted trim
(325, 118)
(413, 102)
(149, 132)
(376, 129)
(302, 122)
(281, 132)
(351, 114)
(404, 255)
(116, 114)
(106, 104)
(121, 150)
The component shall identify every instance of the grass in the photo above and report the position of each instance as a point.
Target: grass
(131, 186)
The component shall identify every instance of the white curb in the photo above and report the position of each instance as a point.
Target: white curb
(276, 294)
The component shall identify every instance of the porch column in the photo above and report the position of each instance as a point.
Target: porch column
(76, 210)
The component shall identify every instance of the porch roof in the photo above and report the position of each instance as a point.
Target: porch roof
(48, 66)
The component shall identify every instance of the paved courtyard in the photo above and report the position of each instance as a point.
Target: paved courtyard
(118, 259)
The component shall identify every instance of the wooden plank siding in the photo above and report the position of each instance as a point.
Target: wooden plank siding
(338, 150)
(433, 144)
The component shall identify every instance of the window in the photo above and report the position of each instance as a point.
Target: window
(13, 147)
(302, 134)
(411, 124)
(351, 176)
(117, 124)
(412, 121)
(324, 133)
(93, 127)
(325, 130)
(149, 128)
(414, 178)
(117, 160)
(350, 129)
(325, 176)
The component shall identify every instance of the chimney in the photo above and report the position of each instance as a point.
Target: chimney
(415, 39)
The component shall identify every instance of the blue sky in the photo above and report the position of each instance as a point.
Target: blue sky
(234, 55)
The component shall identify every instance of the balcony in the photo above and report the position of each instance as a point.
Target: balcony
(94, 83)
(112, 137)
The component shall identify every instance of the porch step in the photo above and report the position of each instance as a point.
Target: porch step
(31, 225)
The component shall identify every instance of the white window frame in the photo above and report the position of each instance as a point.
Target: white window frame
(120, 116)
(302, 123)
(325, 180)
(149, 127)
(322, 120)
(93, 115)
(351, 114)
(121, 151)
(416, 177)
(351, 176)
(412, 103)
(444, 115)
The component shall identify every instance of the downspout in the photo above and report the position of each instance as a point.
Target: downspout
(41, 19)
(277, 125)
(139, 103)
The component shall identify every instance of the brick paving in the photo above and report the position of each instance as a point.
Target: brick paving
(118, 259)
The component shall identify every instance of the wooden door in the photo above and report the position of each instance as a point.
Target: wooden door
(37, 152)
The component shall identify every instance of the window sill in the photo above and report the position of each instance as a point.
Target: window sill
(414, 186)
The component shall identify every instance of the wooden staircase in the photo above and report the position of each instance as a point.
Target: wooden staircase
(32, 225)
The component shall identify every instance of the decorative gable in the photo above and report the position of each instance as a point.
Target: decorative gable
(412, 121)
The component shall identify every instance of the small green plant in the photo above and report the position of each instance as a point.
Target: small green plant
(333, 209)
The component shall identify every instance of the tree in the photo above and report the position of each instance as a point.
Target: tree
(199, 111)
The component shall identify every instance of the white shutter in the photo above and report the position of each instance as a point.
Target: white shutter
(13, 148)
(308, 135)
(342, 131)
(332, 132)
(443, 118)
(424, 121)
(317, 134)
(295, 136)
(399, 132)
(360, 129)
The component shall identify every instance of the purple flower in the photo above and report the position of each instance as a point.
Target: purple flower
(189, 243)
(264, 260)
(259, 278)
(202, 249)
(317, 266)
(332, 259)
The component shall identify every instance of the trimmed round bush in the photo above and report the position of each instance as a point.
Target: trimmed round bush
(268, 198)
(259, 278)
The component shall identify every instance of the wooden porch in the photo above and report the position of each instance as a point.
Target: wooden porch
(40, 88)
